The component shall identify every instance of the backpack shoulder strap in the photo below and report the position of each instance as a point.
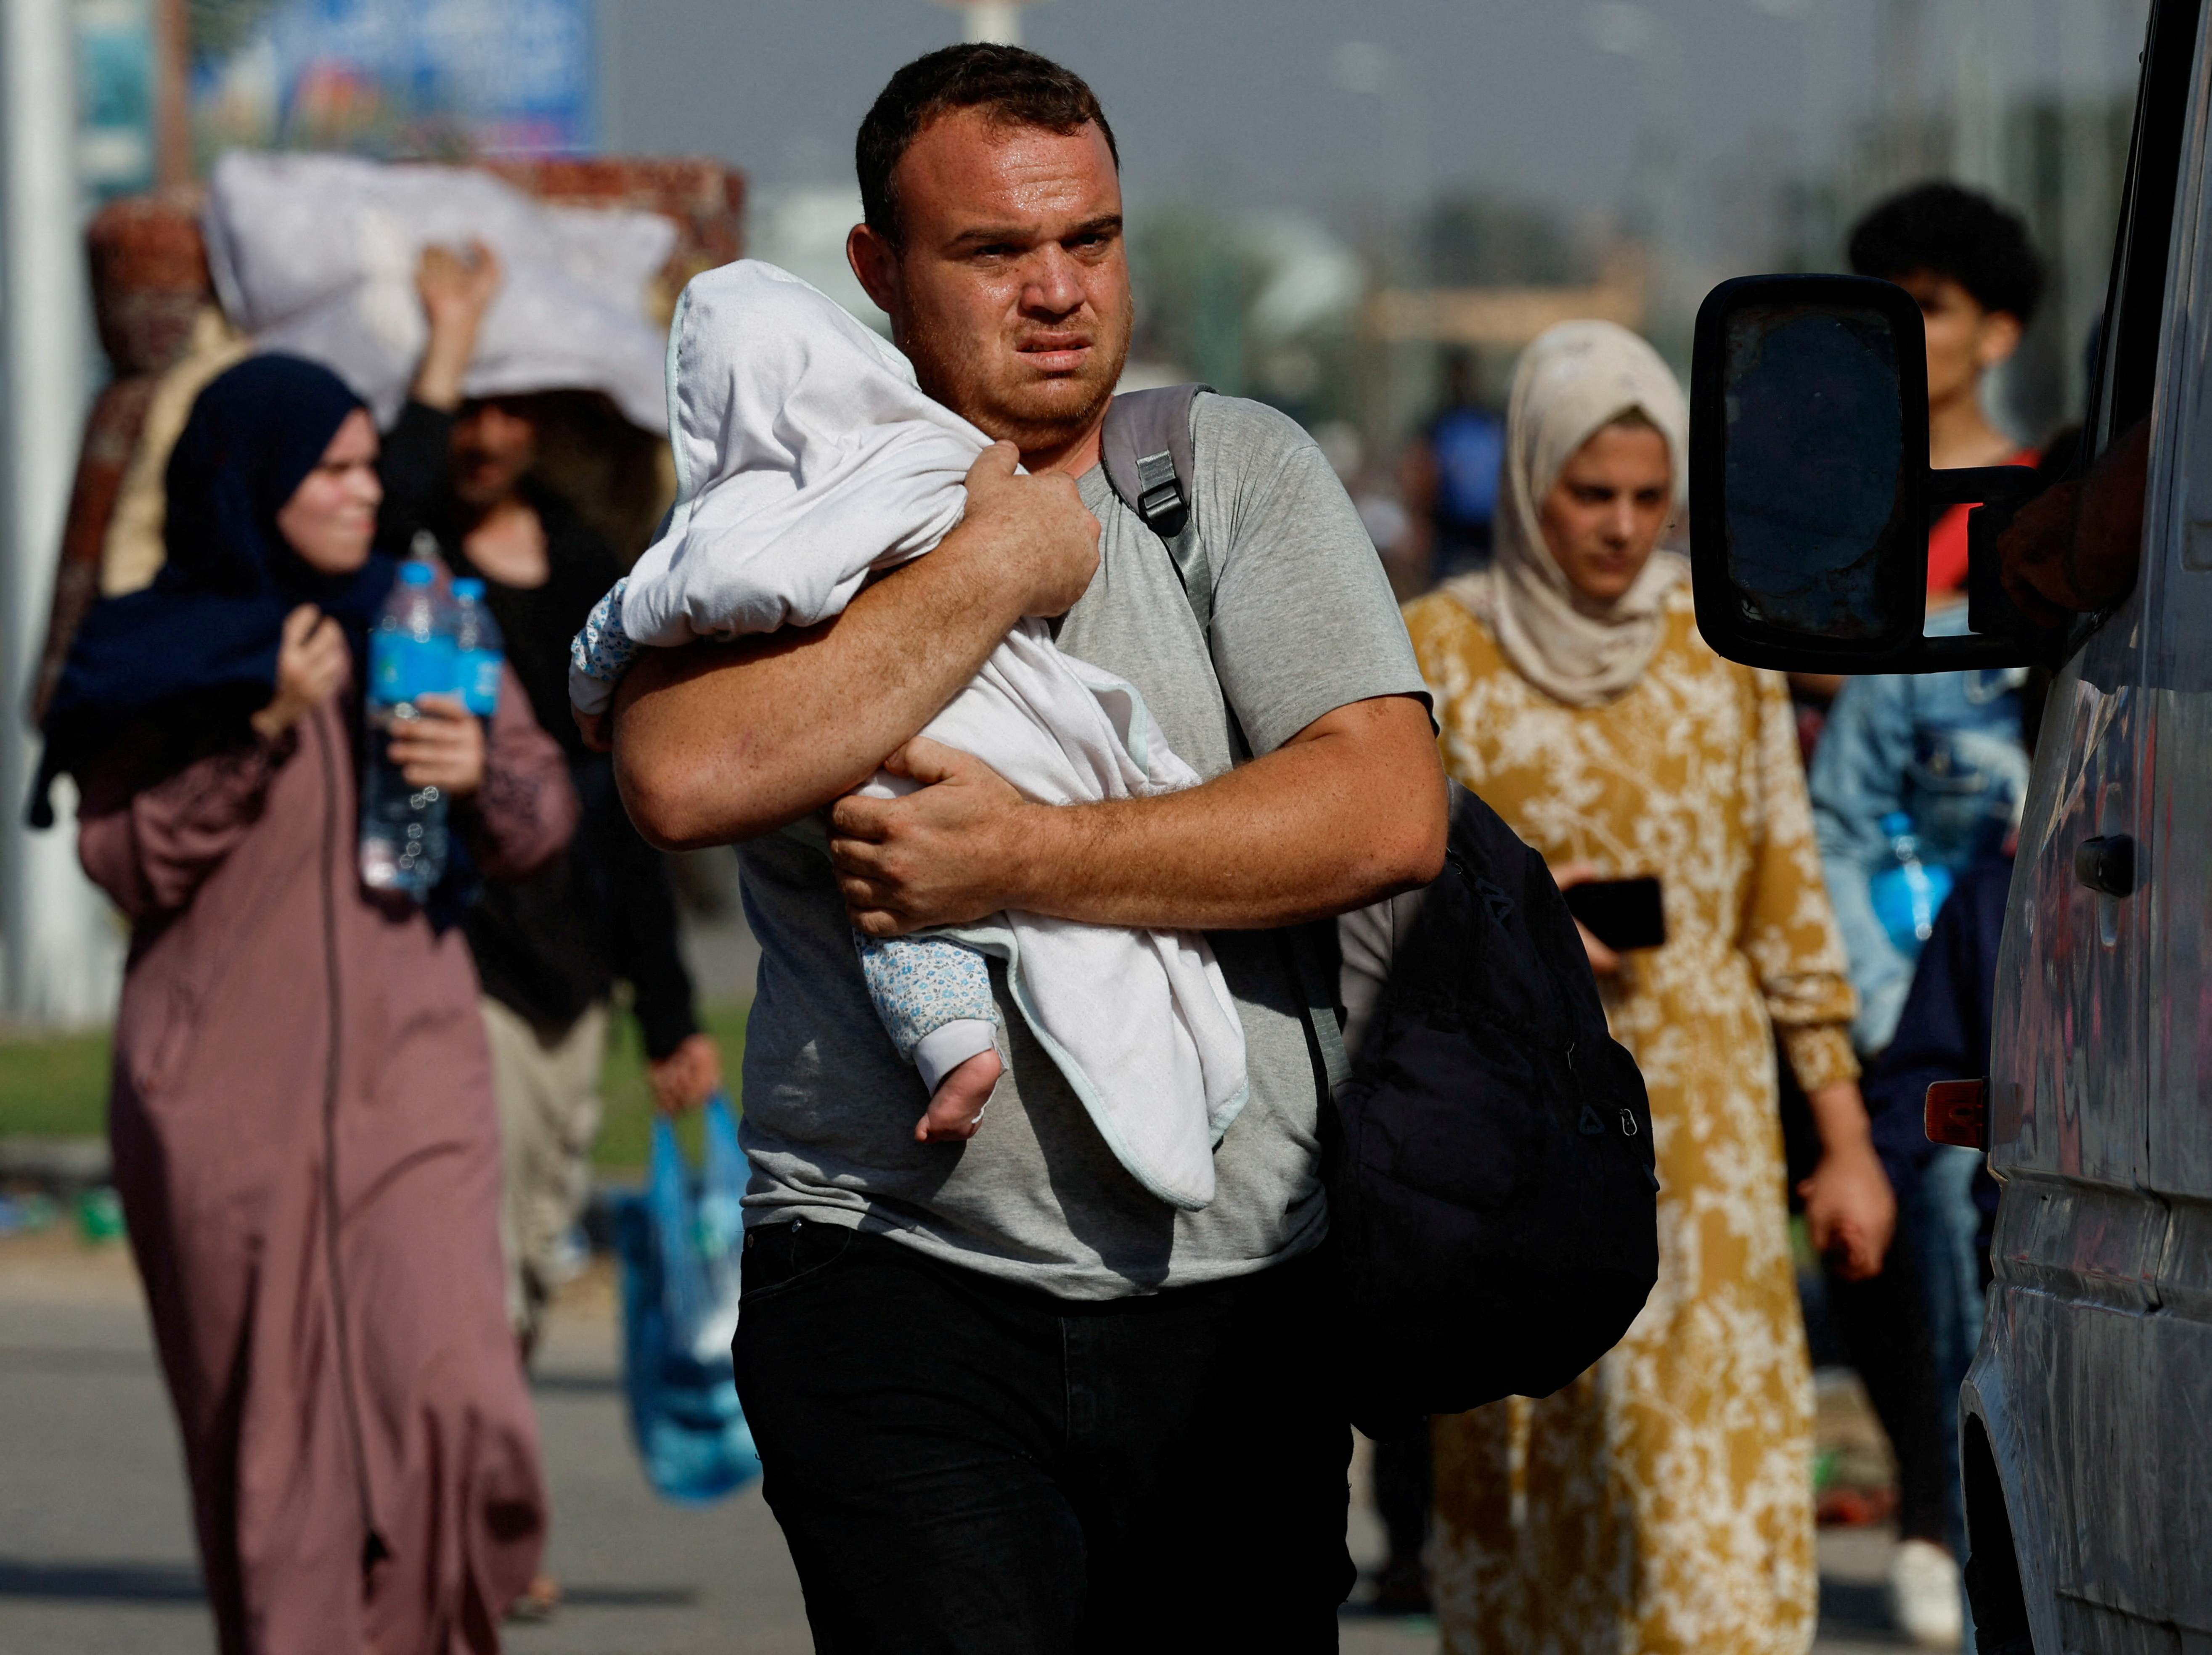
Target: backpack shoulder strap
(1146, 447)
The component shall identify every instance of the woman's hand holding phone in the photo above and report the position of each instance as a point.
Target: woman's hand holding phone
(1603, 960)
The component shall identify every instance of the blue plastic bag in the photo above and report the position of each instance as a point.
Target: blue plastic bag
(678, 1245)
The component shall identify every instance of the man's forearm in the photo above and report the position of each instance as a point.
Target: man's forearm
(720, 743)
(1350, 811)
(1258, 846)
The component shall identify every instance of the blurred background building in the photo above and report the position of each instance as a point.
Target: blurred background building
(1328, 202)
(1323, 206)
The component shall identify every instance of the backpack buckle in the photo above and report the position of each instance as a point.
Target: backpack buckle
(1160, 501)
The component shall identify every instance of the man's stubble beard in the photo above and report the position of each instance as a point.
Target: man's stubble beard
(952, 369)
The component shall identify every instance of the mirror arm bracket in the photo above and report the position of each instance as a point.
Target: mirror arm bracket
(1969, 653)
(1984, 485)
(1996, 493)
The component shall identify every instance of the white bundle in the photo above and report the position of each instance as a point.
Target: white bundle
(316, 255)
(807, 457)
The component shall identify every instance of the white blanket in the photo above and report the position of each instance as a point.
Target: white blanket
(316, 255)
(806, 457)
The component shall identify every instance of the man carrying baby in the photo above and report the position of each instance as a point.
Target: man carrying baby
(1006, 1399)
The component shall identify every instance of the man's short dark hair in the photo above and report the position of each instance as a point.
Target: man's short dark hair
(1958, 233)
(1014, 87)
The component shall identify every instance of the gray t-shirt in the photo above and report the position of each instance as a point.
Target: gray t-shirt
(1303, 622)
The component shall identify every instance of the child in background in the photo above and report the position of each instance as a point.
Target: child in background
(1969, 263)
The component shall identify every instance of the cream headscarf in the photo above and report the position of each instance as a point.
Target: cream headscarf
(1574, 381)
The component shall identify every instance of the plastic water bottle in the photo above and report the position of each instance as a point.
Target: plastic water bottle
(478, 648)
(1907, 894)
(410, 655)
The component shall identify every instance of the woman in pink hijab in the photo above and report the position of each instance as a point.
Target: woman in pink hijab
(302, 1118)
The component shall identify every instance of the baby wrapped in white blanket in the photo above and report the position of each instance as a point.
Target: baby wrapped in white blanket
(807, 457)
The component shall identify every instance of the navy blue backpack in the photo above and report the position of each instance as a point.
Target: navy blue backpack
(1493, 1218)
(1493, 1203)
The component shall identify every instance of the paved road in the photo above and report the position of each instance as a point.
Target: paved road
(96, 1549)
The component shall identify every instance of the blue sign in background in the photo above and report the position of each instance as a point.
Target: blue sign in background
(406, 76)
(115, 96)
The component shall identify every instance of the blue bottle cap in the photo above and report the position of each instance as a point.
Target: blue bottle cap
(416, 573)
(1895, 822)
(468, 588)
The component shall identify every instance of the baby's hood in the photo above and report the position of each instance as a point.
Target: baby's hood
(805, 456)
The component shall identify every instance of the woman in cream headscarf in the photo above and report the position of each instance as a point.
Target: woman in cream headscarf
(1663, 1501)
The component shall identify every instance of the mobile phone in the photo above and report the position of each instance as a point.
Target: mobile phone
(1622, 913)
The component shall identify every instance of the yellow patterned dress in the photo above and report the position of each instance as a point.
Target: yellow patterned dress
(1663, 1502)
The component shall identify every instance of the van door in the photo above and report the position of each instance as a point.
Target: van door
(2075, 1382)
(2077, 1240)
(2176, 1353)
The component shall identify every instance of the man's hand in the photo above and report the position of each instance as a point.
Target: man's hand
(443, 746)
(456, 289)
(1350, 810)
(940, 855)
(685, 1078)
(1034, 532)
(1851, 1212)
(312, 658)
(719, 743)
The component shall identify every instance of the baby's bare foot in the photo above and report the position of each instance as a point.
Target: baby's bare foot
(956, 1108)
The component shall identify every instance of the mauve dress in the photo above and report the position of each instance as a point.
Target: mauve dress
(306, 1148)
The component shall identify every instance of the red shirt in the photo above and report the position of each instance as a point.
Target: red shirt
(1947, 541)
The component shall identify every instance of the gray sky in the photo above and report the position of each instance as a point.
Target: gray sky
(1251, 96)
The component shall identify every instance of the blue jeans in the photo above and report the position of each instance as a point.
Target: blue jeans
(961, 1464)
(1945, 1222)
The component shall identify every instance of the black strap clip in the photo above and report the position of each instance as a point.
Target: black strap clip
(1160, 501)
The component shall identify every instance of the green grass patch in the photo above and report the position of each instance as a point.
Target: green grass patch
(626, 1131)
(56, 1084)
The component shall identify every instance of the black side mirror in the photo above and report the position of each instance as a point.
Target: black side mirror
(1810, 491)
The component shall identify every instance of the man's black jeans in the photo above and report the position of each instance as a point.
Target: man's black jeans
(961, 1464)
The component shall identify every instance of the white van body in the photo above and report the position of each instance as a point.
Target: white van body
(2086, 1417)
